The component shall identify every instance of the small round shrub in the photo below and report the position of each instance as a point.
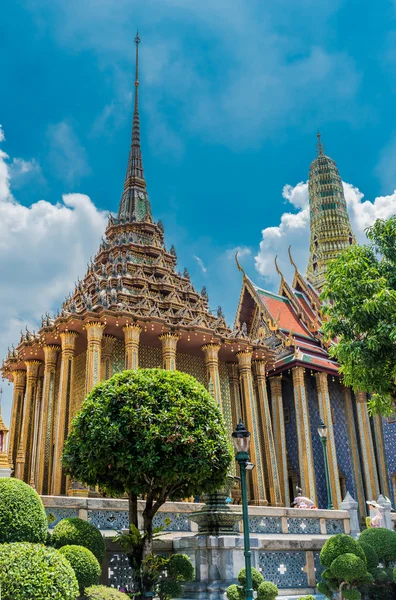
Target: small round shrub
(382, 576)
(257, 578)
(22, 514)
(235, 592)
(340, 544)
(35, 571)
(371, 556)
(267, 591)
(383, 541)
(324, 589)
(309, 597)
(348, 567)
(76, 532)
(168, 588)
(85, 565)
(101, 592)
(180, 568)
(351, 594)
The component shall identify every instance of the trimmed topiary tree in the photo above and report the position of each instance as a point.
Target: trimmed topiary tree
(35, 571)
(337, 545)
(257, 578)
(371, 556)
(101, 592)
(76, 532)
(85, 565)
(180, 568)
(22, 514)
(267, 591)
(383, 541)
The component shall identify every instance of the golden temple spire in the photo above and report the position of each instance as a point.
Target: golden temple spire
(278, 269)
(319, 144)
(291, 260)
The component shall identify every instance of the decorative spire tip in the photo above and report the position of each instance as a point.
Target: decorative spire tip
(319, 144)
(137, 38)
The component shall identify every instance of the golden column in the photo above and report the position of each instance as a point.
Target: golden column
(268, 436)
(19, 378)
(169, 344)
(367, 447)
(305, 454)
(278, 421)
(107, 356)
(61, 416)
(50, 360)
(381, 456)
(353, 445)
(132, 338)
(259, 496)
(322, 388)
(211, 352)
(35, 434)
(233, 377)
(94, 352)
(24, 450)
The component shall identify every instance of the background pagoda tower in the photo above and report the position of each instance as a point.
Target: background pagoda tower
(331, 231)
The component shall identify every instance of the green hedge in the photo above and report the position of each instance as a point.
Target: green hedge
(35, 571)
(101, 592)
(337, 545)
(85, 565)
(76, 532)
(22, 514)
(267, 591)
(383, 541)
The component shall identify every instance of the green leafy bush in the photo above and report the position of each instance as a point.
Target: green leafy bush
(383, 541)
(349, 567)
(101, 592)
(371, 556)
(35, 571)
(351, 594)
(382, 576)
(267, 591)
(235, 592)
(257, 578)
(76, 532)
(340, 544)
(22, 514)
(85, 565)
(180, 568)
(309, 597)
(324, 589)
(169, 588)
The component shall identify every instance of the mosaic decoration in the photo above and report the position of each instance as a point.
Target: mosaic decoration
(310, 386)
(118, 356)
(107, 519)
(194, 365)
(150, 357)
(301, 525)
(389, 429)
(318, 567)
(79, 379)
(179, 521)
(120, 573)
(290, 425)
(285, 569)
(265, 525)
(59, 514)
(334, 526)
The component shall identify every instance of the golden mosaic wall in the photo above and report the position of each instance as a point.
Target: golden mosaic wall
(118, 356)
(79, 380)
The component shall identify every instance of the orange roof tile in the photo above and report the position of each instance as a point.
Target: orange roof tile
(280, 307)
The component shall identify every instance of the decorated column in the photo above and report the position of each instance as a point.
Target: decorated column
(169, 344)
(354, 450)
(24, 447)
(68, 339)
(43, 454)
(35, 433)
(367, 447)
(264, 416)
(381, 456)
(326, 416)
(132, 337)
(94, 352)
(211, 352)
(5, 467)
(107, 357)
(259, 496)
(278, 424)
(305, 454)
(233, 377)
(19, 378)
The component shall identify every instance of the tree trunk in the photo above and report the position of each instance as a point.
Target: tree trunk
(133, 509)
(148, 515)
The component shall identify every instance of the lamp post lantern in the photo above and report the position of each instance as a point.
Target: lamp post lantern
(322, 431)
(241, 439)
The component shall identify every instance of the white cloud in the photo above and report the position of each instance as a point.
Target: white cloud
(293, 228)
(201, 263)
(43, 248)
(241, 250)
(23, 172)
(66, 155)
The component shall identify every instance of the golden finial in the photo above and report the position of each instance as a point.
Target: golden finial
(319, 144)
(277, 268)
(238, 264)
(291, 260)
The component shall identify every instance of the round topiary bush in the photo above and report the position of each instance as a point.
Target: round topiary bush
(337, 545)
(85, 565)
(267, 591)
(101, 592)
(324, 589)
(371, 556)
(22, 514)
(168, 588)
(351, 595)
(180, 568)
(76, 532)
(257, 578)
(35, 571)
(383, 541)
(348, 567)
(235, 592)
(309, 597)
(382, 576)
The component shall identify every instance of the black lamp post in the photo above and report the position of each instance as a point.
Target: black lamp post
(322, 431)
(241, 439)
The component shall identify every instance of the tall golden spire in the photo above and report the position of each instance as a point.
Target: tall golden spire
(319, 144)
(135, 204)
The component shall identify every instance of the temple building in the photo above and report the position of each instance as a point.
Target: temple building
(134, 309)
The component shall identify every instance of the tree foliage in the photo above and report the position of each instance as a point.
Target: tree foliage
(360, 296)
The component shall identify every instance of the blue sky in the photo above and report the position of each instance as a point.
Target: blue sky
(232, 94)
